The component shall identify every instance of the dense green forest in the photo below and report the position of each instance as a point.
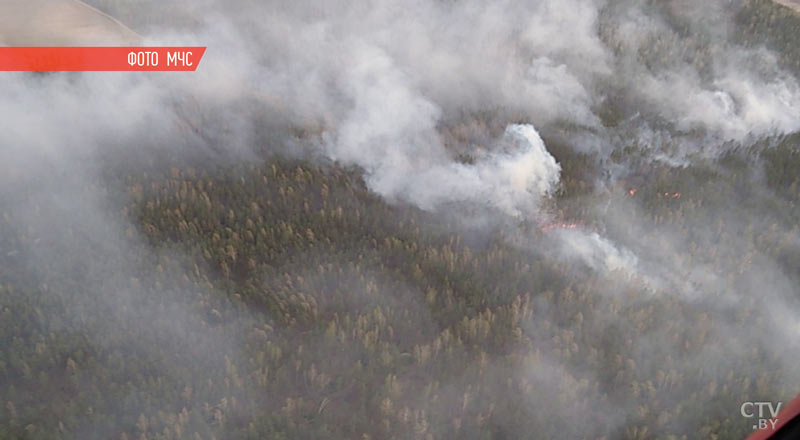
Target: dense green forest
(304, 301)
(280, 298)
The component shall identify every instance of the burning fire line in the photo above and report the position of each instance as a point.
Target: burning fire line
(561, 225)
(665, 195)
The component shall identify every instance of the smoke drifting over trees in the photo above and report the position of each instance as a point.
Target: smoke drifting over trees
(427, 219)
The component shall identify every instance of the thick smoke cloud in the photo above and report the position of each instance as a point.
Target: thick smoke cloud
(376, 80)
(340, 67)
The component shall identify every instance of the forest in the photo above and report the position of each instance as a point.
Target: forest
(280, 296)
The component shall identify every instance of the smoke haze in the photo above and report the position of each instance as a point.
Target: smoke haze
(465, 114)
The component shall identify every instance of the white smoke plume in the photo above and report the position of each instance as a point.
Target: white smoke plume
(510, 180)
(596, 251)
(376, 80)
(391, 133)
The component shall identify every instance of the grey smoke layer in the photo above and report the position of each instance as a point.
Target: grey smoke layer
(376, 80)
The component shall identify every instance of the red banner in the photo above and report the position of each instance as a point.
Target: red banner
(117, 59)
